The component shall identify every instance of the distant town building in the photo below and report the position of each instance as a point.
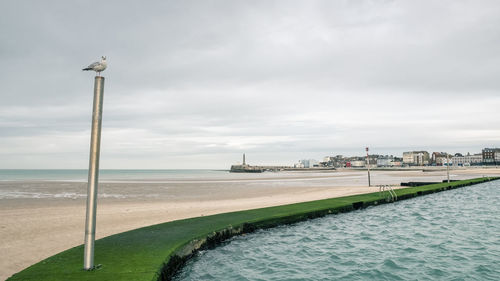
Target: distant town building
(416, 158)
(438, 158)
(467, 160)
(328, 161)
(337, 161)
(355, 161)
(385, 161)
(397, 162)
(358, 163)
(388, 161)
(298, 165)
(307, 163)
(491, 156)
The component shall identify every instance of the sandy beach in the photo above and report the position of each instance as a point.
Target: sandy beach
(33, 229)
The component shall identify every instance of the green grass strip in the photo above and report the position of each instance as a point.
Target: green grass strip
(154, 252)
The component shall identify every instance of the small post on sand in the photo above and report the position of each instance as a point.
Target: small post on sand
(95, 143)
(448, 167)
(368, 165)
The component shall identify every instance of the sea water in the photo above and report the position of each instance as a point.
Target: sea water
(190, 184)
(451, 235)
(158, 184)
(166, 184)
(118, 184)
(104, 174)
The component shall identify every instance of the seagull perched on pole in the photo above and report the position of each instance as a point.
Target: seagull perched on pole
(98, 66)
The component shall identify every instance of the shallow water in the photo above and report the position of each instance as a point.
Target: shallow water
(81, 175)
(452, 235)
(165, 184)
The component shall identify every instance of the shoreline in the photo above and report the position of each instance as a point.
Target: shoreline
(172, 243)
(40, 231)
(34, 229)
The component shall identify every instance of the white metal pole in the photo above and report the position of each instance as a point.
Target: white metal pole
(95, 143)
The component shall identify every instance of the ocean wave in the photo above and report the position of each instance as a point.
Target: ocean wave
(64, 195)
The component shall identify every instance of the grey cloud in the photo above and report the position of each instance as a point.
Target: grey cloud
(280, 79)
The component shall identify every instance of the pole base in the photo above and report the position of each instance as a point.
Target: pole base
(93, 268)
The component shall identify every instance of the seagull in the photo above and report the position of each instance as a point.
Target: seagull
(98, 66)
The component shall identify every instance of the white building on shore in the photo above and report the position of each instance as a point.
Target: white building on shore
(467, 160)
(307, 163)
(358, 163)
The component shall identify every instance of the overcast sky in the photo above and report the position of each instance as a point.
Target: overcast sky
(194, 84)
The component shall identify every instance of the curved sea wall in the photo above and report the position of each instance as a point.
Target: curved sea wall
(157, 252)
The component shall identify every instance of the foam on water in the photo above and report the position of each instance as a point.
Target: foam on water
(39, 195)
(452, 235)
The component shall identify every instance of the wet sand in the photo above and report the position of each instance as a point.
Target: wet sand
(35, 228)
